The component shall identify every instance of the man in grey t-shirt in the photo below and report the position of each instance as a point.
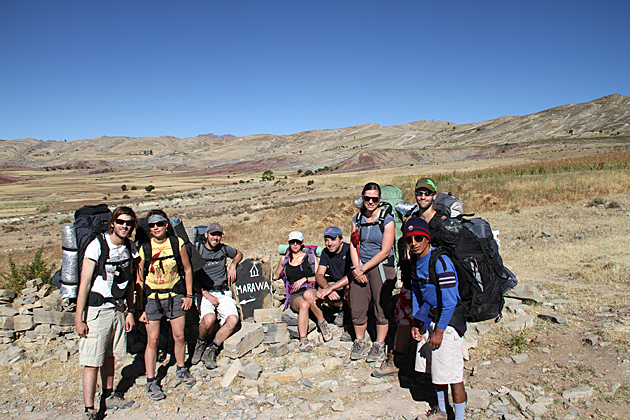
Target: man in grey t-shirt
(213, 297)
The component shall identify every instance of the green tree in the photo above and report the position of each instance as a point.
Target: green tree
(267, 175)
(123, 187)
(149, 188)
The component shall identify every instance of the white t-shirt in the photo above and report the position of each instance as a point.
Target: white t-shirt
(116, 253)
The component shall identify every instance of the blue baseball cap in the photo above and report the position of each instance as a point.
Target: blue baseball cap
(333, 232)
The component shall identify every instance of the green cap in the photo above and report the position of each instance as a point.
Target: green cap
(426, 183)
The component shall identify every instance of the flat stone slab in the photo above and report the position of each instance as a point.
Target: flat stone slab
(290, 375)
(526, 292)
(41, 316)
(577, 393)
(520, 324)
(244, 340)
(553, 317)
(375, 388)
(537, 409)
(23, 322)
(268, 315)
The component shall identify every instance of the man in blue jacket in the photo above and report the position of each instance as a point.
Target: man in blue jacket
(438, 320)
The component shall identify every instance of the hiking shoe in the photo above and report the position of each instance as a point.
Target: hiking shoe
(117, 402)
(339, 319)
(359, 350)
(154, 392)
(305, 345)
(327, 335)
(388, 367)
(210, 357)
(185, 376)
(90, 414)
(200, 347)
(436, 414)
(345, 336)
(377, 353)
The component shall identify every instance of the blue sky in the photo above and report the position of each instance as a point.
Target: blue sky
(83, 69)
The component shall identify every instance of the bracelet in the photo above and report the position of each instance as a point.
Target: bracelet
(131, 310)
(188, 296)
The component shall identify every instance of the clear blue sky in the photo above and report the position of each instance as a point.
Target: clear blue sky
(83, 69)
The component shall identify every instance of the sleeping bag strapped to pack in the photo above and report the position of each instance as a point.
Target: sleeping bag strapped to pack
(89, 222)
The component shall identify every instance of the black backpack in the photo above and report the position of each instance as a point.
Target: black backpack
(89, 222)
(471, 246)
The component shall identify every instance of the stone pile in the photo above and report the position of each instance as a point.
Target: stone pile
(32, 320)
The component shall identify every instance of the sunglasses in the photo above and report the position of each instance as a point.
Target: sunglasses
(417, 238)
(375, 200)
(294, 241)
(122, 222)
(420, 193)
(158, 224)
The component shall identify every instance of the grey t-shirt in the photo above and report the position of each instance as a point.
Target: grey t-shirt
(371, 237)
(214, 272)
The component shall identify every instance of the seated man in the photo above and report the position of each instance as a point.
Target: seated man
(213, 296)
(335, 266)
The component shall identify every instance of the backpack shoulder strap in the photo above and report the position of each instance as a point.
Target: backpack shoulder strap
(102, 259)
(176, 254)
(146, 250)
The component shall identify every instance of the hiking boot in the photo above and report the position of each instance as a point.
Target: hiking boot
(436, 414)
(305, 345)
(339, 319)
(359, 350)
(154, 392)
(117, 402)
(345, 336)
(210, 358)
(185, 376)
(388, 367)
(200, 347)
(327, 335)
(89, 414)
(377, 353)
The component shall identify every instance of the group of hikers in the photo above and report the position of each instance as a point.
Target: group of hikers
(351, 277)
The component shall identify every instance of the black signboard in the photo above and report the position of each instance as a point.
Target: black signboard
(252, 287)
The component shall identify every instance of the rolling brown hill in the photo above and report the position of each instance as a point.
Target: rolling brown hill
(343, 149)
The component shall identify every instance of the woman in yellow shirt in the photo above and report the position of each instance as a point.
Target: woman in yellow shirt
(166, 278)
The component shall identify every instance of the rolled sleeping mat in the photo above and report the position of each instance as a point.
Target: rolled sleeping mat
(69, 290)
(69, 237)
(358, 203)
(406, 209)
(282, 249)
(70, 267)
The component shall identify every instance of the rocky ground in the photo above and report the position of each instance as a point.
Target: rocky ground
(543, 360)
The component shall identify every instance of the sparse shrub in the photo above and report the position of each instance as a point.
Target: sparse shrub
(267, 175)
(123, 187)
(124, 197)
(613, 205)
(310, 182)
(299, 171)
(149, 188)
(597, 201)
(17, 277)
(133, 188)
(241, 181)
(65, 221)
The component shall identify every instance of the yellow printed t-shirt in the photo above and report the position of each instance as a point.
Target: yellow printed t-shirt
(161, 274)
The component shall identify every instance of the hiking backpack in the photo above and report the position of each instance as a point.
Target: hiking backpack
(89, 222)
(470, 244)
(391, 196)
(310, 251)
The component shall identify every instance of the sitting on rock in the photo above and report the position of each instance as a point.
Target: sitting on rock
(213, 296)
(298, 268)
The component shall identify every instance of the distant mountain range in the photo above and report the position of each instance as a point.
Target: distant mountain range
(342, 149)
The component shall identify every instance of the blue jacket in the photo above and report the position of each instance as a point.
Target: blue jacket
(425, 295)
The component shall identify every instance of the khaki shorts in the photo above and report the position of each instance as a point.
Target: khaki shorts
(446, 363)
(106, 336)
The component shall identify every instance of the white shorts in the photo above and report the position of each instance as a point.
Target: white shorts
(446, 363)
(226, 307)
(106, 336)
